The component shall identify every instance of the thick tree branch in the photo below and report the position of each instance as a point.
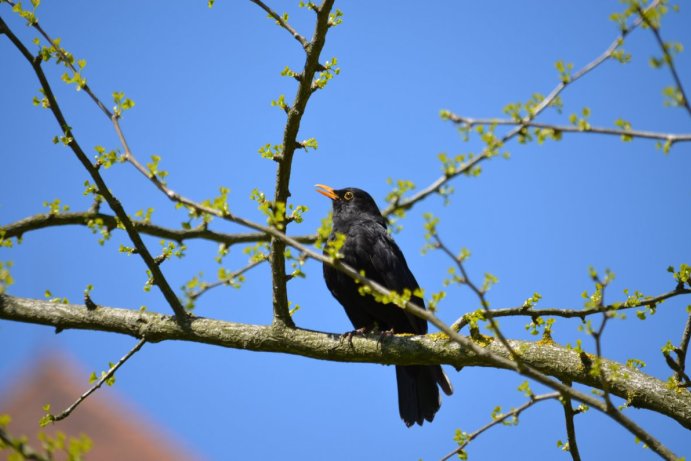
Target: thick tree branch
(285, 160)
(641, 390)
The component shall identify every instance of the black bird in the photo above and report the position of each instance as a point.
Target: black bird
(368, 247)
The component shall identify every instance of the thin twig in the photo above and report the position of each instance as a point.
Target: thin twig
(678, 365)
(471, 122)
(669, 59)
(513, 413)
(683, 348)
(193, 295)
(100, 382)
(303, 41)
(569, 414)
(522, 311)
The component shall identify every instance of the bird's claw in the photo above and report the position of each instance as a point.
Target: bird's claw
(384, 334)
(348, 336)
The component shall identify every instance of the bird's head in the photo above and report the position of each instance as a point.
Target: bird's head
(351, 204)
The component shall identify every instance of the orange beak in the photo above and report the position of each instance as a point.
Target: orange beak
(326, 191)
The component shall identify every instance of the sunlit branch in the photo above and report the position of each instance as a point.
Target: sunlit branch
(302, 342)
(644, 391)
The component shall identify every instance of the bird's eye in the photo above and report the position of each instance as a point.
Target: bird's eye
(348, 195)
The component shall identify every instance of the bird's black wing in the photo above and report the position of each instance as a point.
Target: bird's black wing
(383, 261)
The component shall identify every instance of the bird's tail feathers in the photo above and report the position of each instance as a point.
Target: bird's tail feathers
(418, 394)
(443, 380)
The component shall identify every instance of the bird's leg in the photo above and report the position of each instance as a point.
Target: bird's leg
(357, 332)
(385, 334)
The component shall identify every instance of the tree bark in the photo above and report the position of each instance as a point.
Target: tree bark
(640, 389)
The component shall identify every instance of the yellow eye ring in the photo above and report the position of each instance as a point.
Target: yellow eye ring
(348, 195)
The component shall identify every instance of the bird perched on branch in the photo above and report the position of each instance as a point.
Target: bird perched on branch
(368, 247)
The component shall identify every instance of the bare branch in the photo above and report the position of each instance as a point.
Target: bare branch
(514, 413)
(68, 411)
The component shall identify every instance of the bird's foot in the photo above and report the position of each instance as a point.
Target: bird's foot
(384, 334)
(348, 336)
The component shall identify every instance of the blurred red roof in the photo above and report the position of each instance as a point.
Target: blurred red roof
(118, 431)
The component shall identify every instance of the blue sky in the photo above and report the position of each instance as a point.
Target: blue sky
(203, 80)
